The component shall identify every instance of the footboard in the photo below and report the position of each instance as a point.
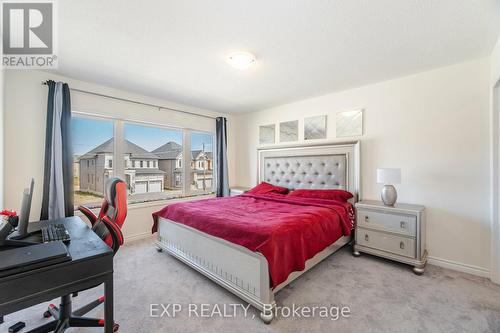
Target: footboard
(234, 267)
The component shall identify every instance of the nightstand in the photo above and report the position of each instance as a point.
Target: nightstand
(237, 190)
(396, 233)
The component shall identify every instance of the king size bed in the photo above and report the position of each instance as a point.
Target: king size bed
(256, 243)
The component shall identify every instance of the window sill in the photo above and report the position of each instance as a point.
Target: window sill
(165, 202)
(160, 203)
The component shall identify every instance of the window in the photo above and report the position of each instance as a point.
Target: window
(157, 149)
(201, 174)
(92, 147)
(152, 164)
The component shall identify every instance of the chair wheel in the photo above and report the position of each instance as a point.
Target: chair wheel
(47, 314)
(116, 327)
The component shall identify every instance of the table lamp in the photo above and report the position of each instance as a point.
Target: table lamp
(388, 176)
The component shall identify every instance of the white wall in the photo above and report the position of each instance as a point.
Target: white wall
(495, 160)
(434, 126)
(25, 116)
(495, 63)
(1, 128)
(1, 136)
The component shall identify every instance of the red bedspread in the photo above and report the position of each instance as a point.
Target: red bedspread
(286, 230)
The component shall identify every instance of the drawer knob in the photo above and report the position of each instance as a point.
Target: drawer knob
(402, 245)
(367, 238)
(403, 224)
(367, 218)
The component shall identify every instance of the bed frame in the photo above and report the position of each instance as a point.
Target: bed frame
(241, 271)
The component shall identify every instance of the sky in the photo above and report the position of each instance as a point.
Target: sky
(90, 133)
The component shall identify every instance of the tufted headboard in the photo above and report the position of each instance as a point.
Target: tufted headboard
(317, 167)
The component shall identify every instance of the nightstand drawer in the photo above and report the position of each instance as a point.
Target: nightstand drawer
(403, 224)
(386, 242)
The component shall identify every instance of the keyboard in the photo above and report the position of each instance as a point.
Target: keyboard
(55, 232)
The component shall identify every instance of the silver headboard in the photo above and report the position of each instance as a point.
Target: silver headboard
(316, 167)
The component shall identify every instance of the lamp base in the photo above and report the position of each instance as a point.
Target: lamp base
(389, 195)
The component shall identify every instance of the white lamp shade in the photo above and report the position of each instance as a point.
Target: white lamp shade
(388, 176)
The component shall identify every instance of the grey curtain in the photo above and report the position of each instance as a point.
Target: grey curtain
(57, 199)
(221, 175)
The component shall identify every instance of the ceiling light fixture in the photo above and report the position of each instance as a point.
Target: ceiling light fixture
(241, 59)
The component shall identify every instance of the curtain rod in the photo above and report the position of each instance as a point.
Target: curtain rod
(137, 102)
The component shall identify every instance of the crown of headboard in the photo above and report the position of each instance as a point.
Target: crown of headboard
(316, 167)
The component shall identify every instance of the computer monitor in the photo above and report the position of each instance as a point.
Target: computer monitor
(21, 236)
(24, 214)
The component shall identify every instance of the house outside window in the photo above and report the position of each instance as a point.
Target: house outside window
(155, 148)
(201, 175)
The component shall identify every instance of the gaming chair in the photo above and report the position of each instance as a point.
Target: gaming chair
(107, 225)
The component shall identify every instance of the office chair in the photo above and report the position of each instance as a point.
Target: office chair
(106, 225)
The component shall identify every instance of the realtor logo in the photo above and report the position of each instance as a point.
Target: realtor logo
(28, 34)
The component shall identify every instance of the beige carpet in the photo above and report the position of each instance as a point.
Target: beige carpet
(382, 296)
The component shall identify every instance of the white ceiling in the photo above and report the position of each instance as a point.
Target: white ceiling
(176, 49)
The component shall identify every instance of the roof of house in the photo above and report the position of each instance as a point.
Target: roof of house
(195, 153)
(168, 151)
(129, 148)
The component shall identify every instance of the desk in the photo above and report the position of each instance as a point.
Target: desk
(91, 264)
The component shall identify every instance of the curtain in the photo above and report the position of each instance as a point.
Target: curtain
(57, 199)
(221, 175)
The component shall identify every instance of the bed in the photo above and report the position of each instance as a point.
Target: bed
(240, 264)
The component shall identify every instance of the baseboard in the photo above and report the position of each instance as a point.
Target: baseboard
(143, 235)
(458, 266)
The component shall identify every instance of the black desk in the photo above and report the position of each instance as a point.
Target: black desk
(91, 265)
